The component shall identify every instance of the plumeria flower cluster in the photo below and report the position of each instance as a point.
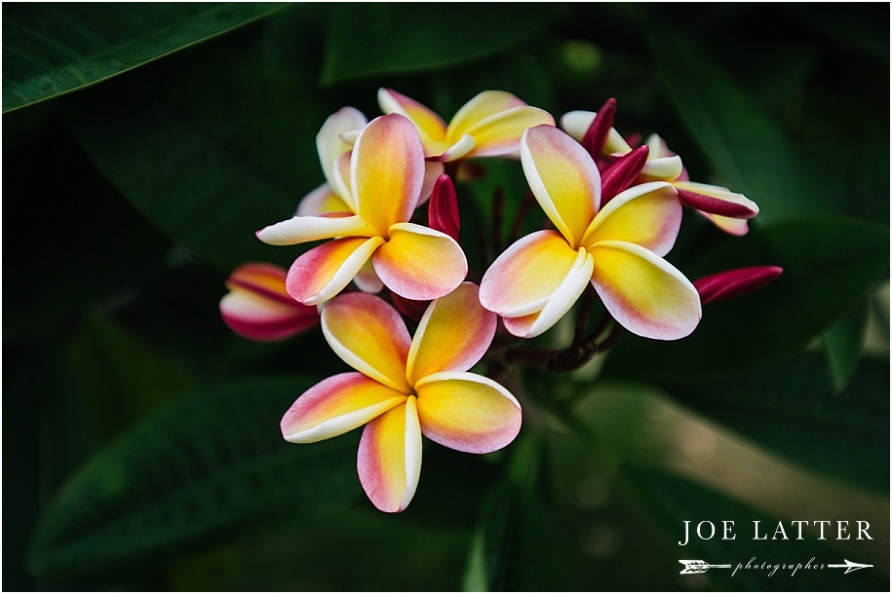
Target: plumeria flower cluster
(392, 294)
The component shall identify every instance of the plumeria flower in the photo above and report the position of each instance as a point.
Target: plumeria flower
(728, 210)
(257, 306)
(334, 143)
(489, 125)
(404, 388)
(385, 181)
(618, 248)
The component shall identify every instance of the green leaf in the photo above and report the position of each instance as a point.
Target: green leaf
(748, 150)
(845, 343)
(202, 470)
(122, 378)
(673, 501)
(209, 173)
(375, 39)
(52, 49)
(514, 547)
(794, 410)
(829, 266)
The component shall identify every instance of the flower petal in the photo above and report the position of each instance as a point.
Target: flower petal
(432, 171)
(325, 270)
(430, 126)
(420, 263)
(648, 215)
(564, 179)
(576, 124)
(367, 280)
(522, 279)
(736, 227)
(387, 172)
(329, 141)
(322, 200)
(663, 168)
(340, 180)
(557, 304)
(368, 335)
(716, 200)
(480, 107)
(313, 228)
(467, 412)
(499, 135)
(389, 461)
(453, 334)
(257, 306)
(644, 293)
(337, 405)
(449, 151)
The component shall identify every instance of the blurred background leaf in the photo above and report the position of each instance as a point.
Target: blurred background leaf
(52, 49)
(197, 472)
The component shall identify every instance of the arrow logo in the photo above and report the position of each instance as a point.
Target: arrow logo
(849, 566)
(691, 566)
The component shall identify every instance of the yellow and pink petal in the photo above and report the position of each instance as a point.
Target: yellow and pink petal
(499, 134)
(526, 275)
(564, 179)
(453, 334)
(467, 412)
(336, 405)
(420, 263)
(430, 126)
(324, 271)
(389, 460)
(647, 214)
(257, 306)
(387, 172)
(369, 335)
(643, 292)
(320, 201)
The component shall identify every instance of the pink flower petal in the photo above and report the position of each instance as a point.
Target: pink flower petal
(420, 263)
(368, 335)
(453, 334)
(499, 135)
(467, 412)
(258, 308)
(324, 271)
(389, 461)
(387, 172)
(563, 178)
(644, 293)
(337, 405)
(716, 200)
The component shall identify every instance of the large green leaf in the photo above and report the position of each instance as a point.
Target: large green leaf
(749, 151)
(829, 266)
(208, 172)
(845, 342)
(794, 409)
(514, 547)
(52, 49)
(122, 378)
(673, 501)
(375, 39)
(207, 468)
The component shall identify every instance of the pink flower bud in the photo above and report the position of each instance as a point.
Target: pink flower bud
(730, 284)
(596, 135)
(443, 208)
(621, 174)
